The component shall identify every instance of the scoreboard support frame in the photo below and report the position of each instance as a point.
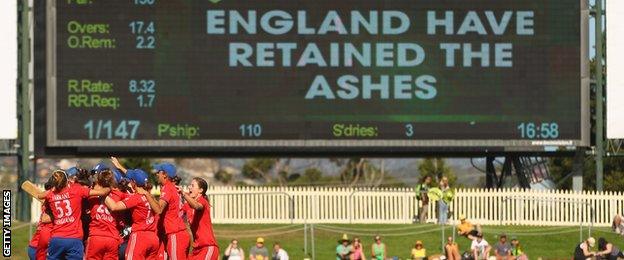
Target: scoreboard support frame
(23, 107)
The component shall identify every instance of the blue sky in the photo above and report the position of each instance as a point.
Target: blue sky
(592, 31)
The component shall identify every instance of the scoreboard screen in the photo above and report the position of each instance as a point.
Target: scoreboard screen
(312, 75)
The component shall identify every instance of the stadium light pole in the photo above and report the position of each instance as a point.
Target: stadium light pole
(599, 97)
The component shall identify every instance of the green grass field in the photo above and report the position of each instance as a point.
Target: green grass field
(544, 242)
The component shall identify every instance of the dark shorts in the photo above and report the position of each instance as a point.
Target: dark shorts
(473, 233)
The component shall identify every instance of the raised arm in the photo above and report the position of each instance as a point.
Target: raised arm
(192, 202)
(157, 206)
(227, 250)
(118, 164)
(41, 195)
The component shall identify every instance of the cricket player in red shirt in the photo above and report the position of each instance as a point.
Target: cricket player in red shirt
(197, 210)
(65, 201)
(169, 207)
(143, 242)
(38, 246)
(104, 229)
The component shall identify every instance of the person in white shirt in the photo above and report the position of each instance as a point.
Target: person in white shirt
(480, 248)
(279, 253)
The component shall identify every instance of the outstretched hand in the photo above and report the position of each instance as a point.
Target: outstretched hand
(141, 191)
(115, 161)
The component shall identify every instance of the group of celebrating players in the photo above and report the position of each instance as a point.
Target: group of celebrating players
(109, 213)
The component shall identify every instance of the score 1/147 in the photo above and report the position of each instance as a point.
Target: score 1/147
(107, 129)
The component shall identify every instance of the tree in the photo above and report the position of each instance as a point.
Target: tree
(436, 168)
(223, 176)
(140, 163)
(270, 170)
(258, 168)
(562, 167)
(362, 172)
(313, 175)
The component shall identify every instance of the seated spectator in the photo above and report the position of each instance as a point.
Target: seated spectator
(344, 249)
(451, 250)
(358, 252)
(234, 251)
(583, 250)
(279, 253)
(259, 251)
(608, 250)
(378, 249)
(419, 252)
(467, 229)
(618, 224)
(502, 250)
(480, 248)
(516, 250)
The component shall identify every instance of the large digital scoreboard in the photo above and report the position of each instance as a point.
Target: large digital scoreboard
(311, 76)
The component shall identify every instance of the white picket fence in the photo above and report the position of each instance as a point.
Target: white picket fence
(399, 206)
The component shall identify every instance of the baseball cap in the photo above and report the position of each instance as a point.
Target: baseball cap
(260, 240)
(138, 176)
(168, 168)
(118, 175)
(100, 167)
(418, 242)
(462, 217)
(71, 172)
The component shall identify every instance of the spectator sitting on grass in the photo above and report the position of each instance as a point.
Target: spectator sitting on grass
(608, 250)
(358, 252)
(378, 249)
(419, 252)
(480, 248)
(467, 229)
(502, 250)
(451, 249)
(259, 252)
(582, 250)
(618, 224)
(233, 251)
(279, 253)
(516, 250)
(344, 250)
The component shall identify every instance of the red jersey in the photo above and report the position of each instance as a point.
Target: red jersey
(142, 214)
(103, 222)
(66, 207)
(171, 217)
(41, 228)
(201, 224)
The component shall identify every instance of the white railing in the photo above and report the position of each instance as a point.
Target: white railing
(399, 206)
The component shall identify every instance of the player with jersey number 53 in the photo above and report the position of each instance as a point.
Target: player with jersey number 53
(65, 200)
